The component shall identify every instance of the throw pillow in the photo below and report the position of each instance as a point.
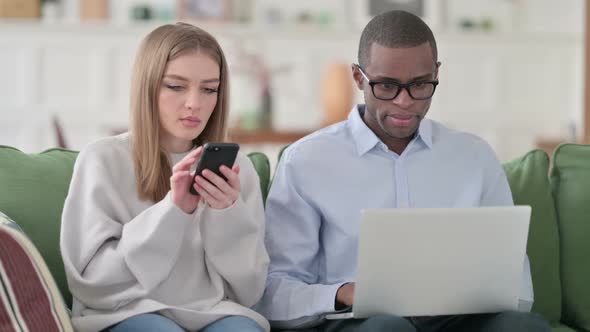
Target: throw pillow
(29, 297)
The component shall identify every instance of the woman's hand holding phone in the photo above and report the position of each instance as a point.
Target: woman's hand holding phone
(182, 179)
(215, 190)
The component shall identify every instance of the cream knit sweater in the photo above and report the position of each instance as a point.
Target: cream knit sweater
(124, 256)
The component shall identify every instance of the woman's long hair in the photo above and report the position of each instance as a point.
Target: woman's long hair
(152, 165)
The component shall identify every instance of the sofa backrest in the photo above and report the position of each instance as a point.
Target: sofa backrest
(33, 188)
(262, 166)
(570, 179)
(529, 182)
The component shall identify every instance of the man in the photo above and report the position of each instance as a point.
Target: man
(385, 155)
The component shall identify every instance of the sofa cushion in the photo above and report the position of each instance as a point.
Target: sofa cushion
(570, 180)
(29, 297)
(528, 178)
(33, 190)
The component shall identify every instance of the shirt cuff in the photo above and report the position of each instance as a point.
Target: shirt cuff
(328, 297)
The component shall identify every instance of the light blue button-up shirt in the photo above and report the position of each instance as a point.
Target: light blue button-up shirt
(325, 179)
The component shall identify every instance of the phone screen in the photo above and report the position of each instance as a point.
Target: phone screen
(214, 155)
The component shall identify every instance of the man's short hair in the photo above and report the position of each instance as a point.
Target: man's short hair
(395, 29)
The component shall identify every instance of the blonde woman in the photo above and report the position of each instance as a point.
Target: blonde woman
(141, 253)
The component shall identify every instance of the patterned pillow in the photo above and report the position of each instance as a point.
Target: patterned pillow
(29, 297)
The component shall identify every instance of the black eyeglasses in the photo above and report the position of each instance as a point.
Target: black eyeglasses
(389, 90)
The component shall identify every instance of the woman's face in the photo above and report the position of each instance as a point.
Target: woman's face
(188, 96)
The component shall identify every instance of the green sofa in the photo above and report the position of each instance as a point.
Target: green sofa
(559, 234)
(33, 188)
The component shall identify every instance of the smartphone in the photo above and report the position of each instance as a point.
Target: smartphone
(214, 155)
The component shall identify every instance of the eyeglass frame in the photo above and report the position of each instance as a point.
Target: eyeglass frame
(401, 86)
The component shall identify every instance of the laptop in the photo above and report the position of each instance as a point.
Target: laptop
(430, 262)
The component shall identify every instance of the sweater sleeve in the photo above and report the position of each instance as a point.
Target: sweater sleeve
(109, 254)
(234, 240)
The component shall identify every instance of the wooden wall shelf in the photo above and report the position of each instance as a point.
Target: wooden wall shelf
(266, 136)
(549, 145)
(263, 136)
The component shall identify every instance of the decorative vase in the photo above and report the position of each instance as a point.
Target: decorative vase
(336, 92)
(94, 10)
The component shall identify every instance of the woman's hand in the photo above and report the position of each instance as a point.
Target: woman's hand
(181, 180)
(217, 192)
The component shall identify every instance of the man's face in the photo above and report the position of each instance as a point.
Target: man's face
(398, 118)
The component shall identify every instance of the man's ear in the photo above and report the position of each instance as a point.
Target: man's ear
(357, 76)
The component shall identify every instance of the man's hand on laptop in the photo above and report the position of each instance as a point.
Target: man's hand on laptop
(345, 296)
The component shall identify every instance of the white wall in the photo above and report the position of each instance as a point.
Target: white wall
(509, 87)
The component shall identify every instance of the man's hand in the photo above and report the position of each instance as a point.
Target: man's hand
(345, 296)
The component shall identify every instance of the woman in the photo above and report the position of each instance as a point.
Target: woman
(141, 253)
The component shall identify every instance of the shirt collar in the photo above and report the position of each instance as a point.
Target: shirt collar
(365, 139)
(425, 132)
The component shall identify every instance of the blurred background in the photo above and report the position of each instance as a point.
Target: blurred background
(513, 70)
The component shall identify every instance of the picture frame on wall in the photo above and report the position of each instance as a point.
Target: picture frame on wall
(204, 10)
(431, 11)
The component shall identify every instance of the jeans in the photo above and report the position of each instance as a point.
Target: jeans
(501, 322)
(158, 323)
